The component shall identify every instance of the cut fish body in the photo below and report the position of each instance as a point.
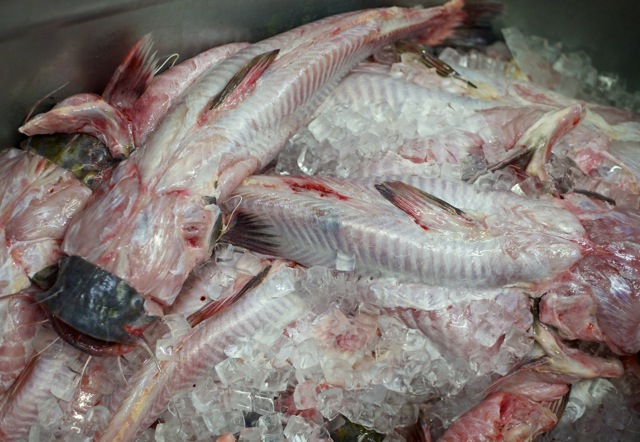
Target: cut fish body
(311, 220)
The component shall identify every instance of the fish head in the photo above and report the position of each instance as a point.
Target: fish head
(96, 303)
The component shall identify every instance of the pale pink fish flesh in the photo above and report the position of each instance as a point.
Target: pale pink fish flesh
(17, 328)
(38, 201)
(147, 395)
(165, 89)
(89, 114)
(197, 156)
(19, 406)
(312, 221)
(502, 416)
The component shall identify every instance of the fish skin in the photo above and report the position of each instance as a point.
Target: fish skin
(138, 406)
(196, 154)
(309, 219)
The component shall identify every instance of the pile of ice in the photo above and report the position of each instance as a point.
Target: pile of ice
(569, 73)
(343, 359)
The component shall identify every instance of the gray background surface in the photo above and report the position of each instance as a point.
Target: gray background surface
(45, 44)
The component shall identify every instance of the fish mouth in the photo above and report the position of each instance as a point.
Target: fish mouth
(96, 303)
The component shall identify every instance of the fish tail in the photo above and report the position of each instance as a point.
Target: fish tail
(132, 76)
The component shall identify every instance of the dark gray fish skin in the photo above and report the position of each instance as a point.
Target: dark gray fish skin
(97, 302)
(83, 155)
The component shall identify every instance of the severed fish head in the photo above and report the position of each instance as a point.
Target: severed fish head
(88, 302)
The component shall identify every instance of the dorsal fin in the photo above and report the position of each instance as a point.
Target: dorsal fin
(244, 79)
(132, 76)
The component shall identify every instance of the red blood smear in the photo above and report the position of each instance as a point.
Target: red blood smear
(323, 190)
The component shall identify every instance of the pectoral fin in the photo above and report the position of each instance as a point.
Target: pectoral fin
(219, 305)
(252, 232)
(244, 79)
(423, 207)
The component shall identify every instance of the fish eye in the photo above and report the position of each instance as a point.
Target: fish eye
(137, 302)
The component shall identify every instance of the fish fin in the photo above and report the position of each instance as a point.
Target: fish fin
(132, 76)
(533, 148)
(252, 232)
(476, 30)
(431, 61)
(558, 406)
(244, 79)
(544, 133)
(219, 305)
(418, 203)
(595, 196)
(450, 16)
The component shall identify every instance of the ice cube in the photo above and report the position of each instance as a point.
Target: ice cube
(147, 436)
(215, 420)
(263, 404)
(338, 372)
(308, 161)
(250, 435)
(305, 396)
(393, 437)
(64, 384)
(297, 429)
(165, 348)
(305, 355)
(270, 423)
(229, 371)
(320, 434)
(281, 283)
(276, 380)
(177, 323)
(49, 412)
(537, 67)
(97, 419)
(330, 402)
(382, 422)
(205, 394)
(240, 400)
(235, 421)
